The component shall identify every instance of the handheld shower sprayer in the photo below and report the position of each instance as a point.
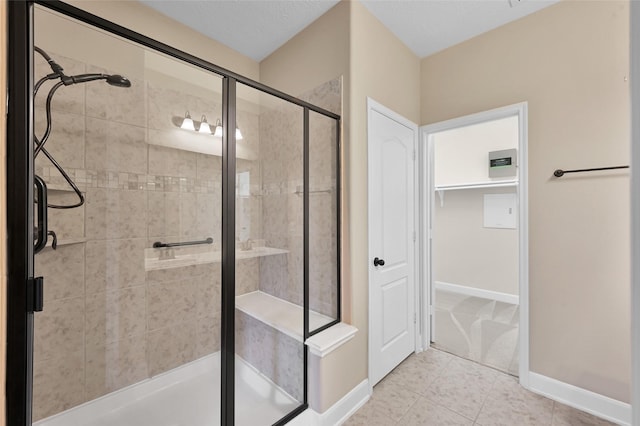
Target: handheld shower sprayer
(65, 80)
(58, 72)
(113, 80)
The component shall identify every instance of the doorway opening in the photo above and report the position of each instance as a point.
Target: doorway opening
(474, 238)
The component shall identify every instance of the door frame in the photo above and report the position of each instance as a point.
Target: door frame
(427, 200)
(372, 106)
(635, 211)
(19, 202)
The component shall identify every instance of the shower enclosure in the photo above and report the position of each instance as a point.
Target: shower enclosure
(191, 240)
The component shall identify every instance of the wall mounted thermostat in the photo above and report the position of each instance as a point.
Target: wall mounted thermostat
(503, 163)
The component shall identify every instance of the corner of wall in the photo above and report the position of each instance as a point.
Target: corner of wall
(315, 55)
(145, 20)
(394, 83)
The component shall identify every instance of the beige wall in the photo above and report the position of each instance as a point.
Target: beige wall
(461, 155)
(386, 70)
(3, 208)
(142, 19)
(468, 254)
(349, 41)
(383, 68)
(315, 55)
(570, 63)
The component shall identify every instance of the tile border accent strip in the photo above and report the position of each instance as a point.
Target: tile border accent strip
(86, 178)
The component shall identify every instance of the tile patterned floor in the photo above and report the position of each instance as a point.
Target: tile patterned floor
(440, 389)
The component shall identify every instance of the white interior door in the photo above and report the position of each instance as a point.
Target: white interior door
(391, 145)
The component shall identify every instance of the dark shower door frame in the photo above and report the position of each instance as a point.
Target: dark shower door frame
(20, 215)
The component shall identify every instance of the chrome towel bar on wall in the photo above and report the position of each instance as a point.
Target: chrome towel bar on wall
(560, 172)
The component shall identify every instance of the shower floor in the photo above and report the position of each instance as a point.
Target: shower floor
(186, 396)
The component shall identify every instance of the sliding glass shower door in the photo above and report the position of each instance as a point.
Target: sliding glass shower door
(269, 337)
(130, 330)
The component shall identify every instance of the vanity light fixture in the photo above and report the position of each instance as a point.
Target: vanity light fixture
(202, 126)
(218, 132)
(187, 123)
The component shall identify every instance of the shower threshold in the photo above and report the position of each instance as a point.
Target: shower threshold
(185, 396)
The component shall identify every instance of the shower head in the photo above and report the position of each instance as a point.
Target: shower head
(113, 80)
(58, 72)
(118, 80)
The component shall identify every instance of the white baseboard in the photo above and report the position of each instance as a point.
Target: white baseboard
(477, 292)
(339, 412)
(582, 399)
(347, 406)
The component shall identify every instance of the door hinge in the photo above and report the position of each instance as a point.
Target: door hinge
(414, 236)
(35, 292)
(414, 318)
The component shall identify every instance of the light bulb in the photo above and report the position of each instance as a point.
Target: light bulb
(187, 123)
(204, 126)
(218, 132)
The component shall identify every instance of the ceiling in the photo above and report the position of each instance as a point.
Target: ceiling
(256, 28)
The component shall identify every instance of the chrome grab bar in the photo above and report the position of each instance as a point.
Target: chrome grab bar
(159, 244)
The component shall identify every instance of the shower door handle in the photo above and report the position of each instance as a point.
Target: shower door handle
(41, 229)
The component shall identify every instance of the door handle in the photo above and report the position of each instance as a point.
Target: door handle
(378, 262)
(41, 229)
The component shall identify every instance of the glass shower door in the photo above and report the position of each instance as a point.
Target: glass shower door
(270, 361)
(147, 295)
(130, 331)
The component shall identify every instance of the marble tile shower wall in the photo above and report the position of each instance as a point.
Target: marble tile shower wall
(107, 323)
(281, 154)
(281, 131)
(273, 353)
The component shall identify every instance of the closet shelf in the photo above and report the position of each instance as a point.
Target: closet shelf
(474, 185)
(441, 189)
